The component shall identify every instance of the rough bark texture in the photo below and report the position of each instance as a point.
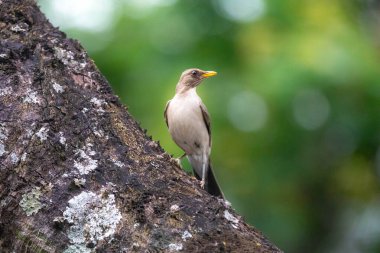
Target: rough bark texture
(77, 172)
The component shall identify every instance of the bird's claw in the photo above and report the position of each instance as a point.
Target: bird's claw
(177, 161)
(202, 184)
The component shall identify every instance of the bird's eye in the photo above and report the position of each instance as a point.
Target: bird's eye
(194, 73)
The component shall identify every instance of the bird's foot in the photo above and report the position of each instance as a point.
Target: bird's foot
(177, 161)
(202, 184)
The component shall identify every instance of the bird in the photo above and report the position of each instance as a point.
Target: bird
(189, 125)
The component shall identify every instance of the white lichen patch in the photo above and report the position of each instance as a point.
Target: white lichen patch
(154, 164)
(31, 97)
(85, 163)
(30, 201)
(80, 182)
(57, 87)
(3, 137)
(67, 57)
(23, 157)
(227, 203)
(54, 40)
(93, 217)
(30, 131)
(19, 28)
(98, 104)
(14, 158)
(117, 163)
(43, 133)
(175, 246)
(98, 132)
(2, 149)
(186, 234)
(174, 208)
(228, 216)
(5, 91)
(62, 138)
(77, 249)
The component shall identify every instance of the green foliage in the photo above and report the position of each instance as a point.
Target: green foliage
(294, 108)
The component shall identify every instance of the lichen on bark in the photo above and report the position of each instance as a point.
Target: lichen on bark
(30, 201)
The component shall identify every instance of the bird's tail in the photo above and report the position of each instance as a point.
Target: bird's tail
(211, 185)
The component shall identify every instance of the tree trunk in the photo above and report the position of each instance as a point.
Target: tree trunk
(77, 172)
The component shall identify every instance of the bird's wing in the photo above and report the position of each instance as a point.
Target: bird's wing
(206, 119)
(166, 113)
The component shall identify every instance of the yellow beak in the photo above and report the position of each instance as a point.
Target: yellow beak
(209, 74)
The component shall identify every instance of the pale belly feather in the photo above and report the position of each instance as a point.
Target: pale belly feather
(187, 127)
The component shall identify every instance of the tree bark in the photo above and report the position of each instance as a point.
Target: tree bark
(77, 172)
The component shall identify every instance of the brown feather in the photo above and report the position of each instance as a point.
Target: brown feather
(206, 119)
(166, 113)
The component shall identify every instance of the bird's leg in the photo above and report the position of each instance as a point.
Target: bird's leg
(203, 181)
(178, 160)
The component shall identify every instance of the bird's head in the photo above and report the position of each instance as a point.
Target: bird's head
(191, 78)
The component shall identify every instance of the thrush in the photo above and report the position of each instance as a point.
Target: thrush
(189, 125)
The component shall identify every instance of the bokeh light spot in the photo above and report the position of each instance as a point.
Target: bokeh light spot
(247, 111)
(310, 108)
(241, 10)
(89, 15)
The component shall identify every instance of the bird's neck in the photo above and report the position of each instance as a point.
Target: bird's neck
(183, 90)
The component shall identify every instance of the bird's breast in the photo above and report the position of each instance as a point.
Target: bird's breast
(186, 124)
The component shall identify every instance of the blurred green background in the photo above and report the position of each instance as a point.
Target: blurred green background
(295, 108)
